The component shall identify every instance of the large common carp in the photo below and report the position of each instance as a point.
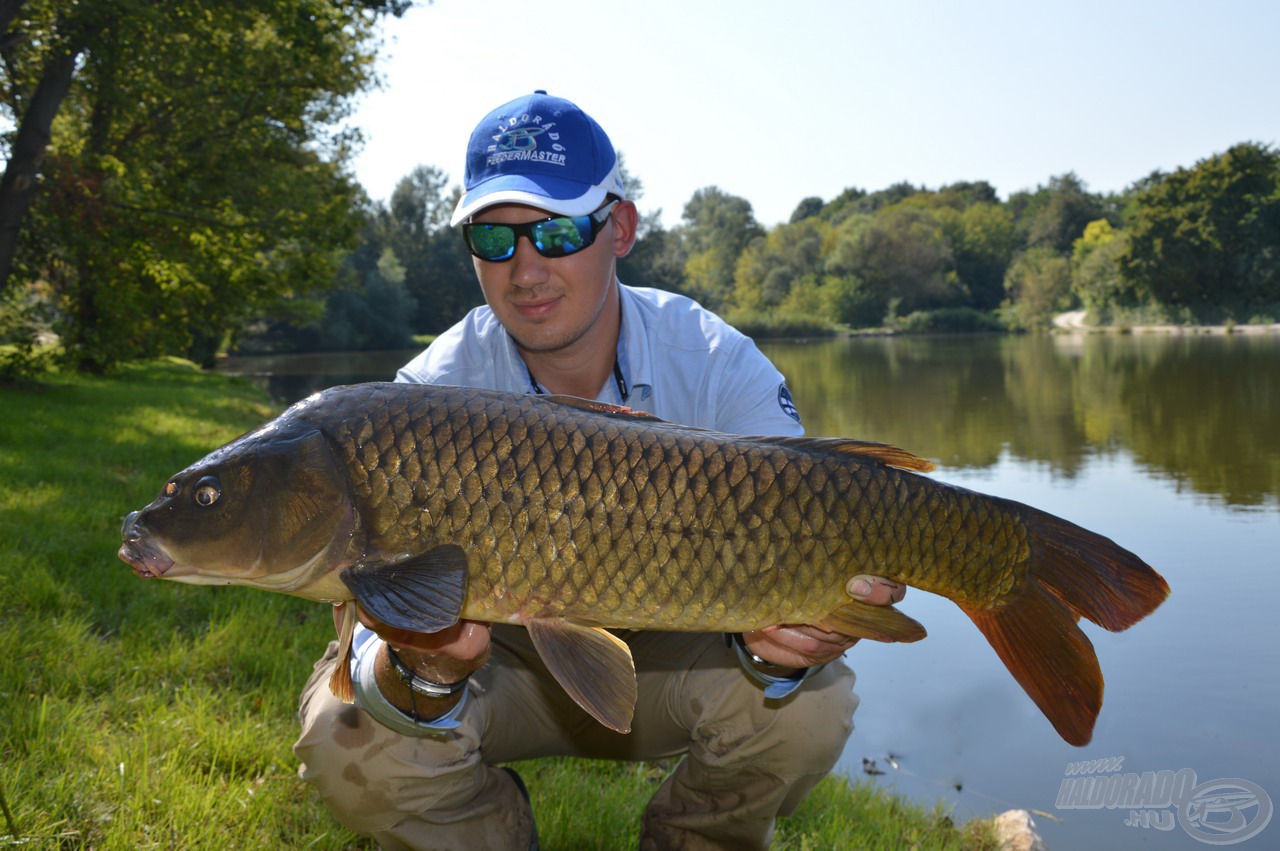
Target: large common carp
(427, 504)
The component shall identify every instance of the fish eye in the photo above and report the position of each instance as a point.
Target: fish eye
(171, 489)
(207, 491)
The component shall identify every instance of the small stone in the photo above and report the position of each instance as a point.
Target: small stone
(1015, 831)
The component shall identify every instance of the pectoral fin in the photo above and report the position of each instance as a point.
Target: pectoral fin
(593, 665)
(422, 593)
(340, 681)
(879, 623)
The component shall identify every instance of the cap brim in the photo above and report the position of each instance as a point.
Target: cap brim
(558, 197)
(580, 206)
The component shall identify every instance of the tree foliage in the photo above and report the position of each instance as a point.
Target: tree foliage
(902, 258)
(1210, 234)
(983, 240)
(1038, 284)
(717, 228)
(195, 170)
(438, 270)
(1096, 275)
(770, 265)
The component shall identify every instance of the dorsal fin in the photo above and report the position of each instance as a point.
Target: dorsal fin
(886, 454)
(619, 411)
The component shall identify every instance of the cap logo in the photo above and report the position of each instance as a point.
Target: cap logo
(517, 139)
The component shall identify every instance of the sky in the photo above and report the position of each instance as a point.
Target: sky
(778, 101)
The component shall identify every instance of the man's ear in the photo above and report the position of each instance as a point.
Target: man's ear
(626, 219)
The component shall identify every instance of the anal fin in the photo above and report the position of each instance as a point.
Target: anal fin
(592, 665)
(879, 623)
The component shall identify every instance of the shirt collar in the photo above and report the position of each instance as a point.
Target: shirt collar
(634, 357)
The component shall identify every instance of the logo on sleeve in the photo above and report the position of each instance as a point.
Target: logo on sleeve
(787, 404)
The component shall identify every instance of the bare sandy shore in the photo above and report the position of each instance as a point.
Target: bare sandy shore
(1073, 322)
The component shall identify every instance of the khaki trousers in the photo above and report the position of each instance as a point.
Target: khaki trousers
(748, 759)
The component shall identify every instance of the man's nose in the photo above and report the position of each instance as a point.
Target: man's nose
(528, 267)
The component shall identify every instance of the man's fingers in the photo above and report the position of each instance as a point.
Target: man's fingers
(463, 639)
(876, 590)
(798, 646)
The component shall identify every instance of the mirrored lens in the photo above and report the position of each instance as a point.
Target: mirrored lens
(491, 242)
(560, 236)
(552, 237)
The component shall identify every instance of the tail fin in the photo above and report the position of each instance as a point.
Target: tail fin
(1093, 576)
(1074, 573)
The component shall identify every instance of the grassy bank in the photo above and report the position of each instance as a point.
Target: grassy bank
(155, 715)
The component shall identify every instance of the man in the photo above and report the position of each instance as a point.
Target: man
(761, 717)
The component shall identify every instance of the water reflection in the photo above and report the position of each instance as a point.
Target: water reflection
(1202, 411)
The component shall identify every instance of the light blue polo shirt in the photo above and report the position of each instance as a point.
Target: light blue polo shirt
(677, 361)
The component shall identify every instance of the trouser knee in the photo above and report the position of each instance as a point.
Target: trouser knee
(331, 749)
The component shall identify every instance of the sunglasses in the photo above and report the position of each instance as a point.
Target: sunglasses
(554, 236)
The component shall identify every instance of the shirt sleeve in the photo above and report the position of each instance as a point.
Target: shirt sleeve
(752, 396)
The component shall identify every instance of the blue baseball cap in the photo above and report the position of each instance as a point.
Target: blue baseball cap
(542, 151)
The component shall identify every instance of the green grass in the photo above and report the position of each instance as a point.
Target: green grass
(142, 714)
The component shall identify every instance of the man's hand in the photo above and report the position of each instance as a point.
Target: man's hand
(444, 657)
(800, 646)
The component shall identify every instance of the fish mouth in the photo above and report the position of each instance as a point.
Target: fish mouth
(140, 552)
(149, 564)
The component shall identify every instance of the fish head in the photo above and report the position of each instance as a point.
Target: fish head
(269, 510)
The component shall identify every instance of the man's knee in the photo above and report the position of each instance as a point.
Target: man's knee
(333, 750)
(802, 735)
(372, 778)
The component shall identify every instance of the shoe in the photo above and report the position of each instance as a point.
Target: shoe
(524, 790)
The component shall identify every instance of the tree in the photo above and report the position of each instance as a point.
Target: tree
(1096, 275)
(657, 259)
(1210, 234)
(438, 270)
(717, 227)
(971, 192)
(1055, 215)
(982, 239)
(901, 258)
(854, 201)
(770, 265)
(179, 193)
(806, 209)
(1038, 284)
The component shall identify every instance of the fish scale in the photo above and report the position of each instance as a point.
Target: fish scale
(728, 518)
(427, 504)
(604, 461)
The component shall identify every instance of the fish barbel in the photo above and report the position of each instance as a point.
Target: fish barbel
(427, 504)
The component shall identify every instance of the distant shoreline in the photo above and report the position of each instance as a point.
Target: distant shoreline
(1072, 322)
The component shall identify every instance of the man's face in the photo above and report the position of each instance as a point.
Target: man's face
(551, 304)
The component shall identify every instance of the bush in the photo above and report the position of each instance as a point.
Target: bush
(758, 325)
(951, 320)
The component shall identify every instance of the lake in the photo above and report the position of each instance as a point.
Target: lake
(1168, 444)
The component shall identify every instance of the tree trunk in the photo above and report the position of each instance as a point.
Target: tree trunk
(18, 185)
